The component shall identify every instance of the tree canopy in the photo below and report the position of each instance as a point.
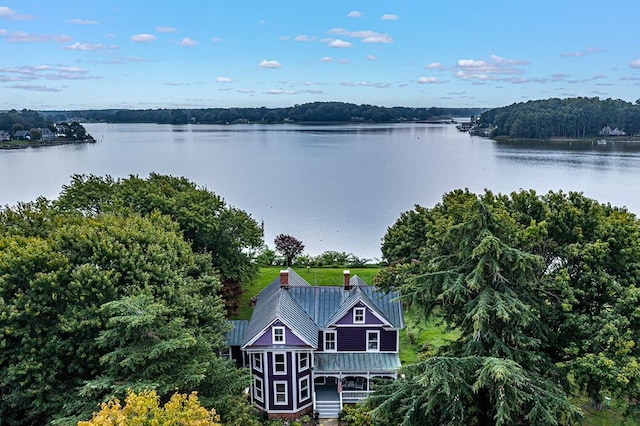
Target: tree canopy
(562, 118)
(91, 306)
(229, 235)
(289, 247)
(539, 287)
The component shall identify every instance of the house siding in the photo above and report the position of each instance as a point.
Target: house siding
(354, 339)
(370, 317)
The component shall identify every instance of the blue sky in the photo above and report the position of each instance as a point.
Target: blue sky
(166, 54)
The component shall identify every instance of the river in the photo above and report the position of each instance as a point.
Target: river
(334, 187)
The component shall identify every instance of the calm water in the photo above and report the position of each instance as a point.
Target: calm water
(333, 187)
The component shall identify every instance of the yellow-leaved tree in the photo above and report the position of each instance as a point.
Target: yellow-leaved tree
(143, 409)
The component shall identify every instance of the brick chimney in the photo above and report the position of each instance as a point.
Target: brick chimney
(347, 275)
(284, 278)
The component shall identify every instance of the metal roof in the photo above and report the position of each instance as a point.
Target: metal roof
(236, 334)
(356, 362)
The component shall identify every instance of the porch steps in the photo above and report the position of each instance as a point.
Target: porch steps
(328, 409)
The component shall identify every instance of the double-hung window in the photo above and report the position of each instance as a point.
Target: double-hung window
(303, 388)
(257, 389)
(279, 363)
(303, 361)
(358, 315)
(373, 341)
(330, 341)
(277, 335)
(257, 361)
(280, 393)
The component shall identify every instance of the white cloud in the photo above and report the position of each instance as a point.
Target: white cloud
(79, 21)
(635, 64)
(366, 36)
(428, 80)
(354, 14)
(377, 85)
(304, 37)
(143, 38)
(339, 43)
(347, 83)
(8, 13)
(435, 66)
(280, 92)
(187, 42)
(371, 58)
(345, 61)
(269, 64)
(35, 88)
(225, 80)
(389, 17)
(22, 37)
(83, 46)
(588, 51)
(216, 40)
(493, 70)
(166, 30)
(244, 91)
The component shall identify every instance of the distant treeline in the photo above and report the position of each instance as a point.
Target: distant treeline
(310, 112)
(562, 118)
(13, 120)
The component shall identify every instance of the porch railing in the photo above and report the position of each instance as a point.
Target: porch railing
(354, 396)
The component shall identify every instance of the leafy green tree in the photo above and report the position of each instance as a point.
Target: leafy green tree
(289, 247)
(92, 305)
(229, 235)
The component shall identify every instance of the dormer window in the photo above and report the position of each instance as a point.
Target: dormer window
(358, 315)
(277, 334)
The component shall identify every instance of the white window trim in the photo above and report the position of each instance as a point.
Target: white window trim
(373, 332)
(273, 336)
(257, 388)
(257, 357)
(364, 313)
(335, 341)
(300, 380)
(279, 373)
(275, 392)
(301, 356)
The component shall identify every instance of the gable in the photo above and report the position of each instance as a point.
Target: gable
(266, 337)
(370, 317)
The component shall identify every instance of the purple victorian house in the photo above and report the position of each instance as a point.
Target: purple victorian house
(315, 348)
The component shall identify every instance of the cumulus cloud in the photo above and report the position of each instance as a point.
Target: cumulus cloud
(435, 66)
(366, 36)
(588, 51)
(143, 38)
(245, 91)
(428, 80)
(269, 64)
(225, 80)
(371, 58)
(8, 13)
(187, 42)
(354, 14)
(166, 30)
(389, 17)
(339, 43)
(635, 64)
(79, 21)
(83, 46)
(43, 72)
(304, 37)
(494, 69)
(22, 37)
(326, 59)
(347, 83)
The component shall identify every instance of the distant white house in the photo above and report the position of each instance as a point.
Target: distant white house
(4, 136)
(607, 131)
(47, 134)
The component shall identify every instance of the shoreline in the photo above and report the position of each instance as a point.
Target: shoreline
(41, 144)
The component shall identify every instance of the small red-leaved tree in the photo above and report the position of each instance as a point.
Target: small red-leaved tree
(289, 247)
